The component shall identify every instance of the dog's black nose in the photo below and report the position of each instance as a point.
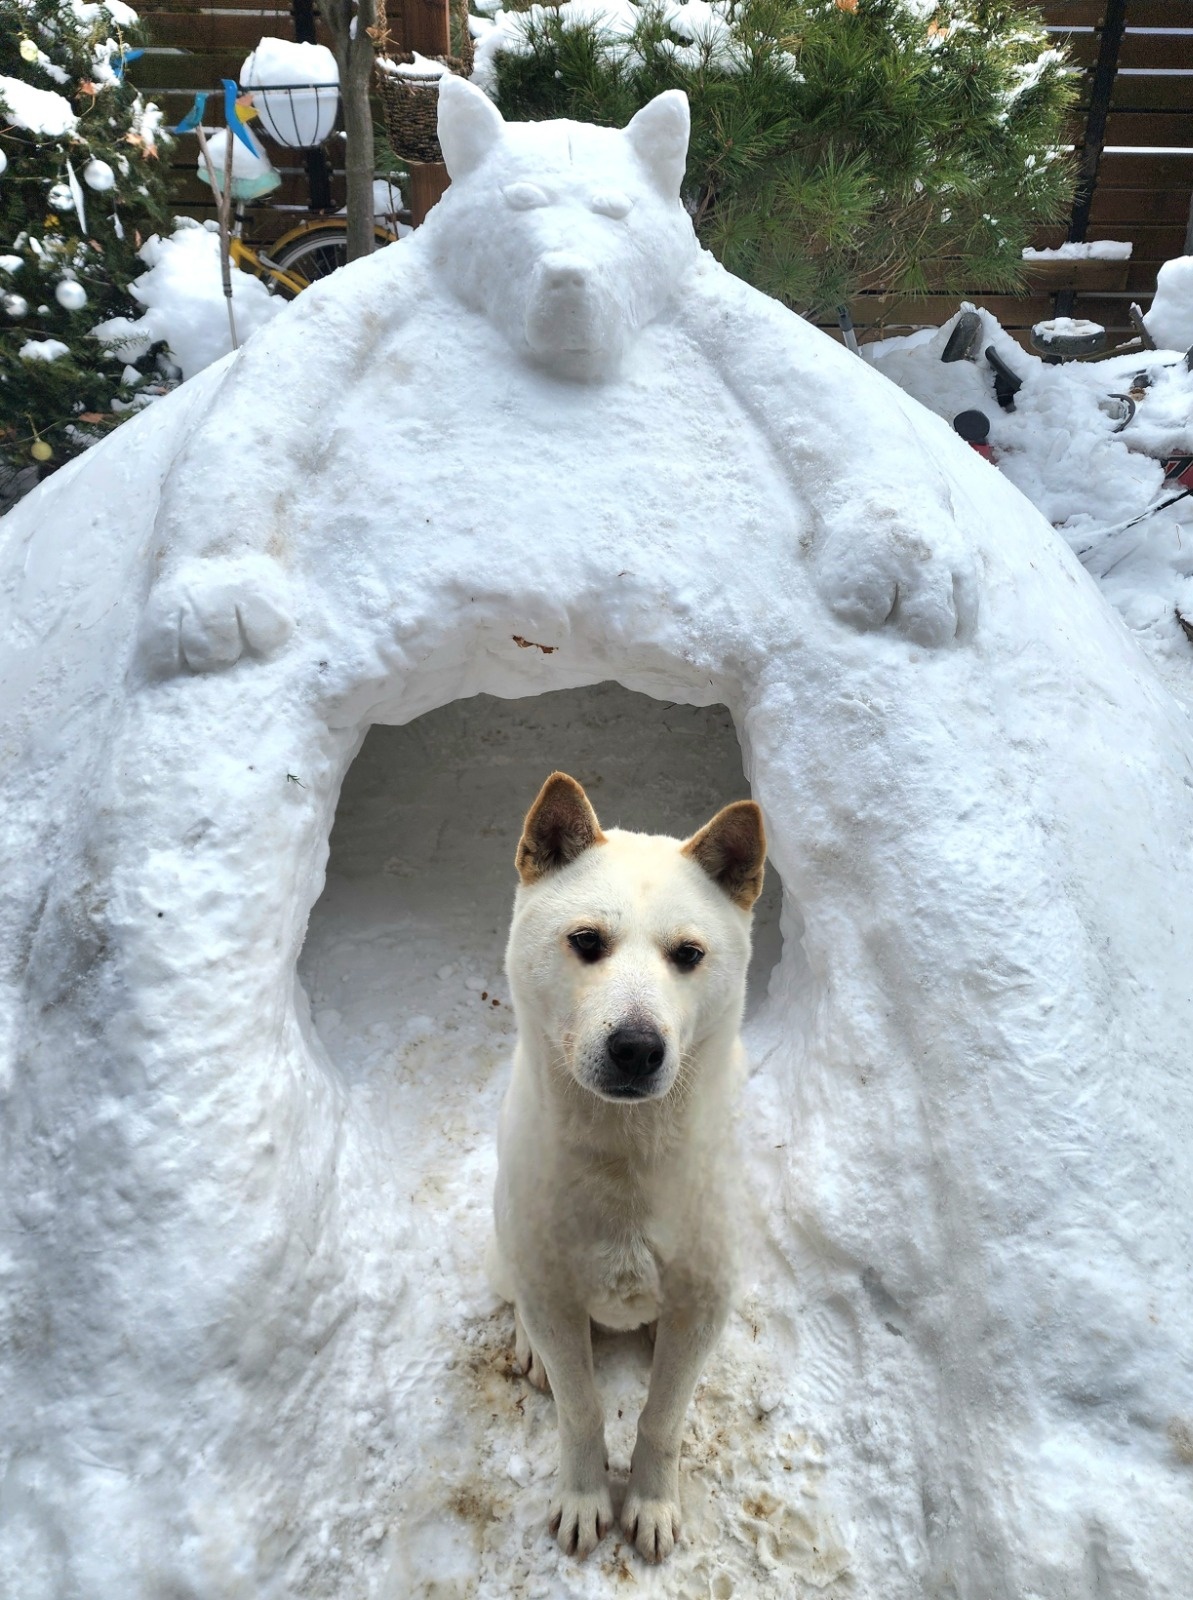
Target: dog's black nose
(636, 1052)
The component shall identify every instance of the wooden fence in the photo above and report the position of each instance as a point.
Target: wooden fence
(1141, 155)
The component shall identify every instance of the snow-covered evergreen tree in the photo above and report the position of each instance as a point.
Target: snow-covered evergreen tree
(837, 145)
(80, 186)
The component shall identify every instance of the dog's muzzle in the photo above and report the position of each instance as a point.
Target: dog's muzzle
(634, 1060)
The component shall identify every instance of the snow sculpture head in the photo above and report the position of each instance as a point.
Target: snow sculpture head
(568, 237)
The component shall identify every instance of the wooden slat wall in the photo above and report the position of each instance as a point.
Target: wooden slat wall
(1144, 181)
(194, 45)
(1145, 178)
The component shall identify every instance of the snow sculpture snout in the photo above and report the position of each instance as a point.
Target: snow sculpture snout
(569, 238)
(570, 312)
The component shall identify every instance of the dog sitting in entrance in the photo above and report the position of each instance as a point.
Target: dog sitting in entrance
(627, 966)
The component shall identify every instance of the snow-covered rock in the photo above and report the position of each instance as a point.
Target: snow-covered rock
(543, 444)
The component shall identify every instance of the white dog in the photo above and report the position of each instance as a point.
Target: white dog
(627, 967)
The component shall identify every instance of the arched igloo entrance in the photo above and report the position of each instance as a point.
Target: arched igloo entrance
(409, 934)
(402, 967)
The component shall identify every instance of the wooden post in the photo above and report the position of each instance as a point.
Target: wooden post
(1101, 87)
(318, 168)
(425, 26)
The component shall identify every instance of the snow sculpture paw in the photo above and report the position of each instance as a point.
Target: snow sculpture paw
(213, 612)
(651, 1526)
(883, 569)
(580, 1520)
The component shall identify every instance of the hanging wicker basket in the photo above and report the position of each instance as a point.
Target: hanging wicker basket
(410, 101)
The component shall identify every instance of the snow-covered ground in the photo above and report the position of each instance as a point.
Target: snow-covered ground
(1063, 447)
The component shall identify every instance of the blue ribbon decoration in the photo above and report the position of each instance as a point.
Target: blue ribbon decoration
(232, 118)
(194, 116)
(119, 62)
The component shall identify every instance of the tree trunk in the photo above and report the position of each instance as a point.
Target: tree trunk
(354, 55)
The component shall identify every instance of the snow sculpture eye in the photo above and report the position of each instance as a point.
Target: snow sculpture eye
(525, 196)
(611, 203)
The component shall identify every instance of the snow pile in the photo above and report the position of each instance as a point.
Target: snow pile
(39, 111)
(1169, 319)
(247, 1344)
(43, 350)
(418, 67)
(183, 296)
(1091, 250)
(1064, 447)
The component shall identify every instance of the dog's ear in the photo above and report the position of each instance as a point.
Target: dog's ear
(732, 850)
(559, 826)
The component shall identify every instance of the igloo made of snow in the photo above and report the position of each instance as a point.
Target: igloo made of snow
(547, 448)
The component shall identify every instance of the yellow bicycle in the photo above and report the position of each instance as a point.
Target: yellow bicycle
(299, 258)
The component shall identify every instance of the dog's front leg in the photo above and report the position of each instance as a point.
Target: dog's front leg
(687, 1332)
(561, 1336)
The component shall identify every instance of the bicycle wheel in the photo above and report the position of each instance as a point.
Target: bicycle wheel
(316, 254)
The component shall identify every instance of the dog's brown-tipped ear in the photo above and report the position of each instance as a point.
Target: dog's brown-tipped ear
(732, 850)
(559, 826)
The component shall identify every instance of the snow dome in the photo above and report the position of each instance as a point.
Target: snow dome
(547, 448)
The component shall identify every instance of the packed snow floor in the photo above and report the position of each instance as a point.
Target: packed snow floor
(403, 967)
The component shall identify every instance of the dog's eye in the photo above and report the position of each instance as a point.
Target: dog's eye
(687, 956)
(587, 943)
(611, 203)
(525, 196)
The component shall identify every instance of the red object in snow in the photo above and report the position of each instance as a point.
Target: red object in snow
(1179, 470)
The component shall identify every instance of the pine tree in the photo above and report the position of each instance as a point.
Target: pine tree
(838, 146)
(80, 186)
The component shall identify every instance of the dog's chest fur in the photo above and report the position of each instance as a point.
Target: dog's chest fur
(625, 1285)
(625, 1246)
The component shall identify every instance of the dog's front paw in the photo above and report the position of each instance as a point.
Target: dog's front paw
(651, 1526)
(527, 1362)
(580, 1521)
(886, 570)
(213, 612)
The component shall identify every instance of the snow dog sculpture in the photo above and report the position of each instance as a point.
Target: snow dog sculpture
(548, 419)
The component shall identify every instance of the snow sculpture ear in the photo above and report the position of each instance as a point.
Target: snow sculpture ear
(559, 826)
(659, 134)
(732, 850)
(469, 125)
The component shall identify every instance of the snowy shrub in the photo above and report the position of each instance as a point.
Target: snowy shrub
(80, 184)
(837, 145)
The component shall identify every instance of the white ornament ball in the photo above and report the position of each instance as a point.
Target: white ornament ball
(3, 163)
(60, 198)
(70, 296)
(15, 306)
(99, 176)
